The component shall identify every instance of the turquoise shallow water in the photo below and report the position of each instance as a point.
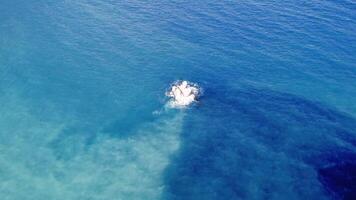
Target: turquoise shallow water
(83, 112)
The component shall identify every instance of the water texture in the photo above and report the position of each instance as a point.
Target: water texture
(83, 112)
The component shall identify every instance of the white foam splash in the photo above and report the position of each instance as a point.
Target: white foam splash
(183, 93)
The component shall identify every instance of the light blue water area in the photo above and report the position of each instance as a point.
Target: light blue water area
(83, 113)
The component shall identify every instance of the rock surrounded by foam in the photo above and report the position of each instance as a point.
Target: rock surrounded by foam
(183, 93)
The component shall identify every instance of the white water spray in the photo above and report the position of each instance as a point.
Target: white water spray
(183, 93)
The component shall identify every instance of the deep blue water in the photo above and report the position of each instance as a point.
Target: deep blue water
(83, 113)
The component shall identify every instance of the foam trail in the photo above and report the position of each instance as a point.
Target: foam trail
(110, 168)
(143, 158)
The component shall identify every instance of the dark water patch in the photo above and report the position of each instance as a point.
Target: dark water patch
(339, 176)
(73, 140)
(258, 144)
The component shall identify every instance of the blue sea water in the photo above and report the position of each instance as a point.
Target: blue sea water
(83, 113)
